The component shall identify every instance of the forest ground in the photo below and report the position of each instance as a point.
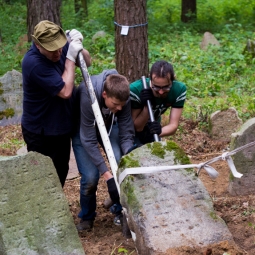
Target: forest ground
(106, 238)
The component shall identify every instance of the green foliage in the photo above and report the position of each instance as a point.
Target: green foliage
(12, 26)
(8, 112)
(216, 79)
(251, 225)
(121, 250)
(100, 18)
(13, 142)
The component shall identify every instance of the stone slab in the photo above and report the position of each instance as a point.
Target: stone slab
(73, 169)
(244, 160)
(208, 39)
(169, 212)
(223, 123)
(11, 96)
(34, 214)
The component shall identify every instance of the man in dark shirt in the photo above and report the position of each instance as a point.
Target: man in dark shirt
(48, 71)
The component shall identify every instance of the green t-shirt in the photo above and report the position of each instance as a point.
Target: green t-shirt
(175, 98)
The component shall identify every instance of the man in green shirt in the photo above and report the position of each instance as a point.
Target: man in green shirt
(164, 92)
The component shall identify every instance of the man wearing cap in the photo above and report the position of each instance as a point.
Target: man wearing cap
(48, 71)
(164, 92)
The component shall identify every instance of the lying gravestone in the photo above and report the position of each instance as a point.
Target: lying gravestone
(244, 160)
(11, 96)
(223, 123)
(208, 39)
(34, 214)
(170, 212)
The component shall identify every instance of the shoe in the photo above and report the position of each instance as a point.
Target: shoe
(118, 220)
(85, 225)
(107, 203)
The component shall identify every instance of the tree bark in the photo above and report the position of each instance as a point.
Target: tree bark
(131, 49)
(81, 4)
(189, 7)
(85, 7)
(42, 10)
(77, 5)
(81, 12)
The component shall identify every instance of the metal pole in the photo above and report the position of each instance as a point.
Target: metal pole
(156, 137)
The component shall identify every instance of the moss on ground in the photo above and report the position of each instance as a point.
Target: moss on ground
(9, 112)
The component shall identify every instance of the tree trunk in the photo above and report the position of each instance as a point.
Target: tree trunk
(85, 7)
(42, 10)
(81, 12)
(131, 49)
(189, 10)
(78, 4)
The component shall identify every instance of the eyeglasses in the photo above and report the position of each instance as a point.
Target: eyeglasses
(158, 88)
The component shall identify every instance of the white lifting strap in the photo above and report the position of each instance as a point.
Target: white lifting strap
(209, 169)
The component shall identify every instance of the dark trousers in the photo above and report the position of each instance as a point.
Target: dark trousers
(56, 147)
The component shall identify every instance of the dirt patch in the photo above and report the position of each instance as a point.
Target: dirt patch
(106, 238)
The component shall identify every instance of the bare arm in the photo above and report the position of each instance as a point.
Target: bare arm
(87, 57)
(171, 127)
(69, 75)
(140, 118)
(107, 175)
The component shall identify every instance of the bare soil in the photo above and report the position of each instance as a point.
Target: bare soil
(106, 238)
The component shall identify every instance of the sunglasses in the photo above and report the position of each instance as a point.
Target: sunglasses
(158, 88)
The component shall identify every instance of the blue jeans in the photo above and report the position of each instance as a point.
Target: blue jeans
(90, 174)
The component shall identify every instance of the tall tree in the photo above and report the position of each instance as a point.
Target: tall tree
(189, 10)
(42, 10)
(131, 49)
(78, 4)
